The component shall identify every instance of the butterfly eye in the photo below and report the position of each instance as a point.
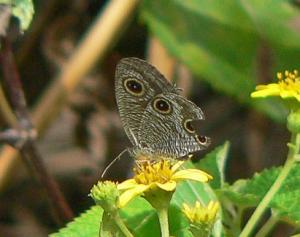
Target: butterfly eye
(202, 139)
(188, 126)
(162, 106)
(134, 87)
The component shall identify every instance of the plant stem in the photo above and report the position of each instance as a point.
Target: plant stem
(163, 221)
(267, 227)
(122, 226)
(263, 205)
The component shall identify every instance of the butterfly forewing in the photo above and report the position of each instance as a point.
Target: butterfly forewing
(132, 105)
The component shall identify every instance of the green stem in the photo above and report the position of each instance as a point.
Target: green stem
(267, 227)
(122, 226)
(263, 205)
(163, 221)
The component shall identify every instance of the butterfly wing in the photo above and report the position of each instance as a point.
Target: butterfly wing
(166, 126)
(136, 84)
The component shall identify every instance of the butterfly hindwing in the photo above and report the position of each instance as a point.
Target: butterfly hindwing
(169, 132)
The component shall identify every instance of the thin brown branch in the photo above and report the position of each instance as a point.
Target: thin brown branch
(26, 140)
(13, 84)
(5, 110)
(31, 154)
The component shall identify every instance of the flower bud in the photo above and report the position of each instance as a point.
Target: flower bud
(106, 195)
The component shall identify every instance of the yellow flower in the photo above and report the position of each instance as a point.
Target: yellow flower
(200, 213)
(162, 175)
(288, 86)
(201, 218)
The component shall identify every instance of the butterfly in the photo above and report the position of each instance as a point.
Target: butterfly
(156, 118)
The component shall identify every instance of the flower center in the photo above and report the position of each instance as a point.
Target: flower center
(148, 173)
(289, 81)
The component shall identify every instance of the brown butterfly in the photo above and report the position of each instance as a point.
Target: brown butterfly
(156, 118)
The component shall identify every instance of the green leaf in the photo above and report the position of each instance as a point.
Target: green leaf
(141, 218)
(271, 21)
(286, 205)
(249, 192)
(190, 191)
(22, 9)
(192, 37)
(220, 40)
(87, 224)
(214, 164)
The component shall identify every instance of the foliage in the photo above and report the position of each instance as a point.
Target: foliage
(248, 193)
(87, 224)
(219, 41)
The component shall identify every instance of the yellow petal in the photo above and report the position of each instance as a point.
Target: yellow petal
(169, 186)
(193, 174)
(215, 206)
(297, 97)
(197, 205)
(269, 86)
(210, 205)
(185, 206)
(177, 165)
(127, 184)
(287, 94)
(265, 92)
(288, 86)
(131, 193)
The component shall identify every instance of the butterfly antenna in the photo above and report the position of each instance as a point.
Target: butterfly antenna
(134, 138)
(112, 162)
